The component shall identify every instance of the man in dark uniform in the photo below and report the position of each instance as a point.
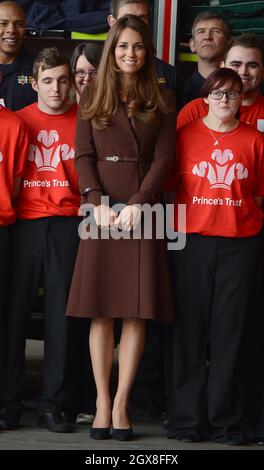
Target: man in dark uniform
(211, 33)
(15, 62)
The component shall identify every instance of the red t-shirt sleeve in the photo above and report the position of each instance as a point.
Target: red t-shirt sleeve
(192, 111)
(22, 145)
(259, 179)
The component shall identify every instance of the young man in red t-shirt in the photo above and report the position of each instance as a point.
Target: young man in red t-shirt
(13, 155)
(45, 238)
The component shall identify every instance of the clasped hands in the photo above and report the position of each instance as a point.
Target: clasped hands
(127, 219)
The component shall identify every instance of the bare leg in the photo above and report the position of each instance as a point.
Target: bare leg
(102, 353)
(130, 352)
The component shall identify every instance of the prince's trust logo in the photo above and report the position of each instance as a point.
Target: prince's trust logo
(221, 173)
(47, 156)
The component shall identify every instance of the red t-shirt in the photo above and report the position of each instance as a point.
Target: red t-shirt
(218, 182)
(13, 154)
(50, 183)
(252, 114)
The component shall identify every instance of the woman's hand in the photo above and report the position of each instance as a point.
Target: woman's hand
(128, 218)
(104, 216)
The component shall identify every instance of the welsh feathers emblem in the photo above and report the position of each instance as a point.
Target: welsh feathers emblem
(221, 173)
(47, 155)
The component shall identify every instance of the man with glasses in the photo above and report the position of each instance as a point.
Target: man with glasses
(246, 57)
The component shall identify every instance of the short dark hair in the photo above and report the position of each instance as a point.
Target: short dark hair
(49, 58)
(210, 15)
(248, 41)
(14, 5)
(115, 5)
(218, 78)
(91, 50)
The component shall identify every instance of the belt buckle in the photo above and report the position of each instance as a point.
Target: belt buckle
(114, 158)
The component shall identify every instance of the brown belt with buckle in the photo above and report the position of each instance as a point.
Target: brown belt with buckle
(115, 158)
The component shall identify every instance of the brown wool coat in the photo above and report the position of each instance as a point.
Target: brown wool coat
(123, 278)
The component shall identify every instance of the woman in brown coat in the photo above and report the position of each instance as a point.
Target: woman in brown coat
(124, 149)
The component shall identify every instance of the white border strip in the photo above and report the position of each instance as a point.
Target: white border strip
(160, 29)
(172, 53)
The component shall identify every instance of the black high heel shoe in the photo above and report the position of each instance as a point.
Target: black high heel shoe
(123, 434)
(100, 433)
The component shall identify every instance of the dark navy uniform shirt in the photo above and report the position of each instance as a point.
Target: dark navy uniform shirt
(193, 86)
(15, 82)
(168, 75)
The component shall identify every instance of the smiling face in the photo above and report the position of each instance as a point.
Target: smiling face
(12, 32)
(83, 75)
(210, 40)
(247, 62)
(130, 52)
(53, 86)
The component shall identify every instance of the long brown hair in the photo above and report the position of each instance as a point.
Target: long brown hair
(143, 99)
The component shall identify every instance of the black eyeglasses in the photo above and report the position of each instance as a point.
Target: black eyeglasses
(80, 73)
(230, 95)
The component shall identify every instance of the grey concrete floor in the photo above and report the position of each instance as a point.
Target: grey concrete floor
(149, 434)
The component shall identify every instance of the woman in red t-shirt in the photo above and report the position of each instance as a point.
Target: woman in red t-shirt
(218, 176)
